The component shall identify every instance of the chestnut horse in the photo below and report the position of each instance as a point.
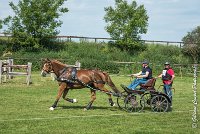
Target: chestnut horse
(70, 78)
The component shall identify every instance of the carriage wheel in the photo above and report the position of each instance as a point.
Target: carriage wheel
(159, 103)
(121, 100)
(134, 103)
(147, 100)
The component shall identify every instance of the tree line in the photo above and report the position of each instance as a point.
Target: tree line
(35, 21)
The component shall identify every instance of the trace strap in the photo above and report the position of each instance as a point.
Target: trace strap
(86, 85)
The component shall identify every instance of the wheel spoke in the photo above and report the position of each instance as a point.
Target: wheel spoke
(146, 98)
(162, 108)
(134, 104)
(155, 107)
(121, 101)
(165, 100)
(159, 103)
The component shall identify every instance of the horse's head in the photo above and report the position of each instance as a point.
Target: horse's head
(47, 67)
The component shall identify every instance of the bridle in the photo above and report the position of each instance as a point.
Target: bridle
(48, 67)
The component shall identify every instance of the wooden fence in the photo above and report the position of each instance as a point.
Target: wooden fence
(99, 39)
(7, 70)
(96, 40)
(180, 68)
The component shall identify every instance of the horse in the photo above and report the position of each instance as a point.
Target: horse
(71, 78)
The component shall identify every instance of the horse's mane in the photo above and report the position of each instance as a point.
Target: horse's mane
(58, 62)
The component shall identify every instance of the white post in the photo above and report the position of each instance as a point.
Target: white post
(4, 70)
(10, 69)
(78, 65)
(28, 79)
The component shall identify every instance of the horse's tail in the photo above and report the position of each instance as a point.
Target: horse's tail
(110, 83)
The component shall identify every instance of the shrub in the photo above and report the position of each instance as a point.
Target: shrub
(101, 56)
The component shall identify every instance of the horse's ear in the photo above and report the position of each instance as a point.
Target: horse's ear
(42, 60)
(45, 60)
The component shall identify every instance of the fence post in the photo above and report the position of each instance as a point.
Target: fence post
(78, 65)
(181, 72)
(180, 45)
(28, 79)
(10, 69)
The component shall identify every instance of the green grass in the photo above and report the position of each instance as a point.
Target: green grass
(25, 109)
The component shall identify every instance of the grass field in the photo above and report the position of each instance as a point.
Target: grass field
(25, 109)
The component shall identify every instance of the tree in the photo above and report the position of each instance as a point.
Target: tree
(1, 24)
(34, 21)
(192, 44)
(125, 23)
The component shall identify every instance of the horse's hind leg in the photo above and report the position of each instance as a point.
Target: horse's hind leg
(102, 88)
(110, 100)
(109, 96)
(93, 97)
(68, 99)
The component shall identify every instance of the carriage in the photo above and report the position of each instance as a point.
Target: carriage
(146, 97)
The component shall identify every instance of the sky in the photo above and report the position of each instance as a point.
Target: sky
(169, 20)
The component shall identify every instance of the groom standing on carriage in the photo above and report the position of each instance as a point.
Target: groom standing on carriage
(167, 76)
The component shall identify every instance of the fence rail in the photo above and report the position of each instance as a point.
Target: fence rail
(100, 39)
(7, 69)
(97, 39)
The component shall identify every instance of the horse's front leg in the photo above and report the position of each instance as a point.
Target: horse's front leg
(62, 87)
(68, 99)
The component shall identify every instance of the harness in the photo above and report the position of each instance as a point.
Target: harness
(72, 79)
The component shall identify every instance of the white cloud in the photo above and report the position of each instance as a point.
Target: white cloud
(171, 19)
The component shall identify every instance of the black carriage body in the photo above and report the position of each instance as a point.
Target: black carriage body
(144, 97)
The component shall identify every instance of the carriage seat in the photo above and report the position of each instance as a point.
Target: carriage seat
(149, 85)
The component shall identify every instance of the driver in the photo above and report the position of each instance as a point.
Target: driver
(141, 78)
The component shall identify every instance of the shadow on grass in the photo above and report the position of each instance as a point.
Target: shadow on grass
(92, 108)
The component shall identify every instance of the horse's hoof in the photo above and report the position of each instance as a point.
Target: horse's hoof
(75, 101)
(85, 109)
(51, 108)
(112, 104)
